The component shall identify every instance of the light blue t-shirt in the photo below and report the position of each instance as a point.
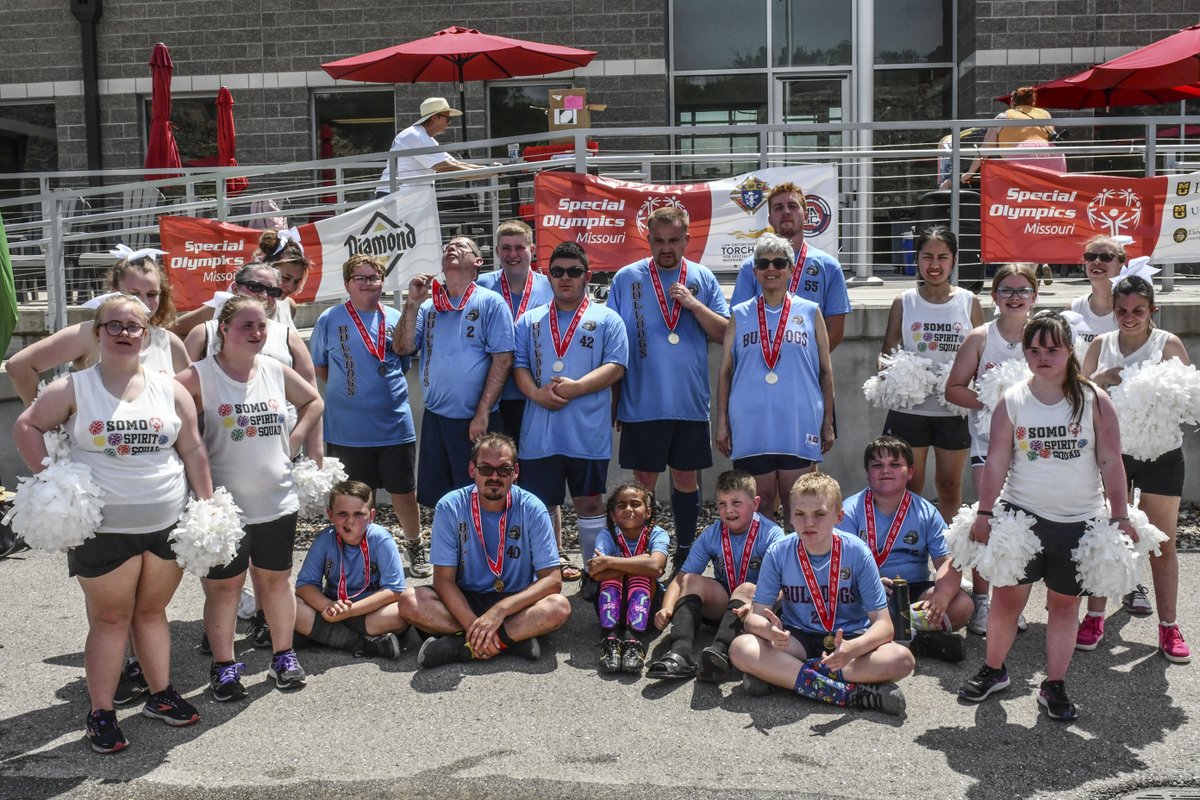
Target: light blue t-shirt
(664, 380)
(362, 407)
(456, 349)
(794, 405)
(328, 559)
(581, 428)
(529, 544)
(538, 285)
(922, 535)
(820, 280)
(606, 543)
(707, 547)
(860, 590)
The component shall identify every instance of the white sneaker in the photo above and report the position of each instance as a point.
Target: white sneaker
(979, 618)
(246, 605)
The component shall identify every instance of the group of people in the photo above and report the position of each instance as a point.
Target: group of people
(523, 378)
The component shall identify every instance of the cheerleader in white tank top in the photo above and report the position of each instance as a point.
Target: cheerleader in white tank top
(1103, 257)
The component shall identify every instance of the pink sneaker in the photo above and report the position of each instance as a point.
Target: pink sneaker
(1172, 645)
(1091, 631)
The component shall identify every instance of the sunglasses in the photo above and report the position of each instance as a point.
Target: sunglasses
(1009, 292)
(366, 280)
(131, 329)
(487, 470)
(777, 263)
(261, 288)
(1107, 258)
(570, 272)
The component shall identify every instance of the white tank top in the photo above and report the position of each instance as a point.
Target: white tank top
(1151, 352)
(130, 448)
(276, 345)
(156, 352)
(934, 331)
(1092, 326)
(283, 313)
(995, 352)
(1054, 472)
(246, 433)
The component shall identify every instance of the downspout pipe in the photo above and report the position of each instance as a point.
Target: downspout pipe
(88, 12)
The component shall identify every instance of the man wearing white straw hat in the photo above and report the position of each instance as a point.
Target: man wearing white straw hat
(436, 114)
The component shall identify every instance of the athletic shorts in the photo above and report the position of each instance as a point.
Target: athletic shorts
(765, 465)
(482, 602)
(512, 412)
(104, 552)
(814, 643)
(653, 446)
(550, 478)
(1054, 565)
(978, 461)
(390, 467)
(444, 456)
(266, 545)
(944, 433)
(1162, 475)
(918, 588)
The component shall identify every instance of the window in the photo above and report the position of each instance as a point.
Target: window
(719, 100)
(352, 122)
(810, 32)
(719, 34)
(913, 31)
(518, 109)
(194, 121)
(28, 140)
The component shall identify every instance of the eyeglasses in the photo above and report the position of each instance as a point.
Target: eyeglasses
(570, 272)
(1107, 258)
(131, 329)
(261, 288)
(366, 280)
(487, 470)
(767, 263)
(1009, 292)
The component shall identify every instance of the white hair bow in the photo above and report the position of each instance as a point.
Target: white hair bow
(1139, 268)
(95, 302)
(218, 299)
(124, 252)
(289, 235)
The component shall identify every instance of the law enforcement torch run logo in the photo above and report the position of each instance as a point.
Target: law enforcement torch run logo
(383, 238)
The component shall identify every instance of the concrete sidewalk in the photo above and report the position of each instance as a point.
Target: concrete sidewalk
(511, 729)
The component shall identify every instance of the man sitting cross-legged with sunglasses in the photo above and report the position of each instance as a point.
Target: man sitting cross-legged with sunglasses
(496, 579)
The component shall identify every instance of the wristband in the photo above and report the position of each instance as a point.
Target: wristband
(983, 513)
(1118, 519)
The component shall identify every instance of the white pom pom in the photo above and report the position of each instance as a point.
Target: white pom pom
(941, 376)
(1152, 401)
(1104, 560)
(57, 509)
(964, 553)
(208, 533)
(1149, 536)
(992, 385)
(905, 380)
(58, 445)
(313, 483)
(1010, 546)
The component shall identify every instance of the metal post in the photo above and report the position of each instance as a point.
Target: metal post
(1151, 159)
(56, 295)
(580, 153)
(864, 105)
(955, 187)
(222, 201)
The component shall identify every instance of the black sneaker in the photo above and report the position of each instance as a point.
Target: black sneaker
(755, 686)
(438, 650)
(588, 589)
(260, 632)
(131, 685)
(1053, 698)
(885, 697)
(714, 664)
(528, 649)
(103, 734)
(610, 658)
(985, 682)
(946, 647)
(226, 681)
(286, 670)
(171, 708)
(386, 645)
(418, 562)
(633, 657)
(204, 647)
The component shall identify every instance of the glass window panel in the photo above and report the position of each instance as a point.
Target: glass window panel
(194, 122)
(913, 31)
(806, 32)
(354, 122)
(28, 140)
(719, 34)
(719, 100)
(518, 110)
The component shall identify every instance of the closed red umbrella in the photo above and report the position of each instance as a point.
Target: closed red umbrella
(1173, 61)
(328, 176)
(458, 54)
(227, 142)
(1072, 93)
(161, 150)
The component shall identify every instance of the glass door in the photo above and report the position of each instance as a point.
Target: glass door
(801, 101)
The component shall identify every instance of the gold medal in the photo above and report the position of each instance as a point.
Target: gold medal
(829, 643)
(498, 585)
(673, 338)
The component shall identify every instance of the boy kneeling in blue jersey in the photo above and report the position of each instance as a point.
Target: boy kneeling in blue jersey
(832, 640)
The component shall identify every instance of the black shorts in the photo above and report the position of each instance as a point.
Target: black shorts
(814, 643)
(653, 446)
(944, 433)
(104, 552)
(977, 461)
(1163, 475)
(512, 412)
(1054, 565)
(765, 465)
(482, 602)
(445, 455)
(550, 478)
(918, 588)
(390, 467)
(266, 545)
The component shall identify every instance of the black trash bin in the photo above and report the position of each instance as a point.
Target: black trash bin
(933, 208)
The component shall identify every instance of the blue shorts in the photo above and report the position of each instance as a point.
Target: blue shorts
(444, 455)
(512, 413)
(653, 446)
(547, 477)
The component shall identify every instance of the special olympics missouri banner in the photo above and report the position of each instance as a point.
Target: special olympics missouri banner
(608, 217)
(203, 254)
(1034, 214)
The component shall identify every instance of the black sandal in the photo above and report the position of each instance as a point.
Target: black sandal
(672, 666)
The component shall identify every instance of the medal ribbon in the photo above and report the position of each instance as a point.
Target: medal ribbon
(496, 566)
(727, 551)
(562, 345)
(642, 542)
(366, 555)
(517, 312)
(827, 614)
(893, 531)
(799, 271)
(773, 348)
(374, 349)
(671, 315)
(441, 300)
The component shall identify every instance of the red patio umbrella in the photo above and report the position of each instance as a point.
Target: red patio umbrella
(1070, 93)
(161, 150)
(1173, 61)
(227, 142)
(328, 176)
(458, 54)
